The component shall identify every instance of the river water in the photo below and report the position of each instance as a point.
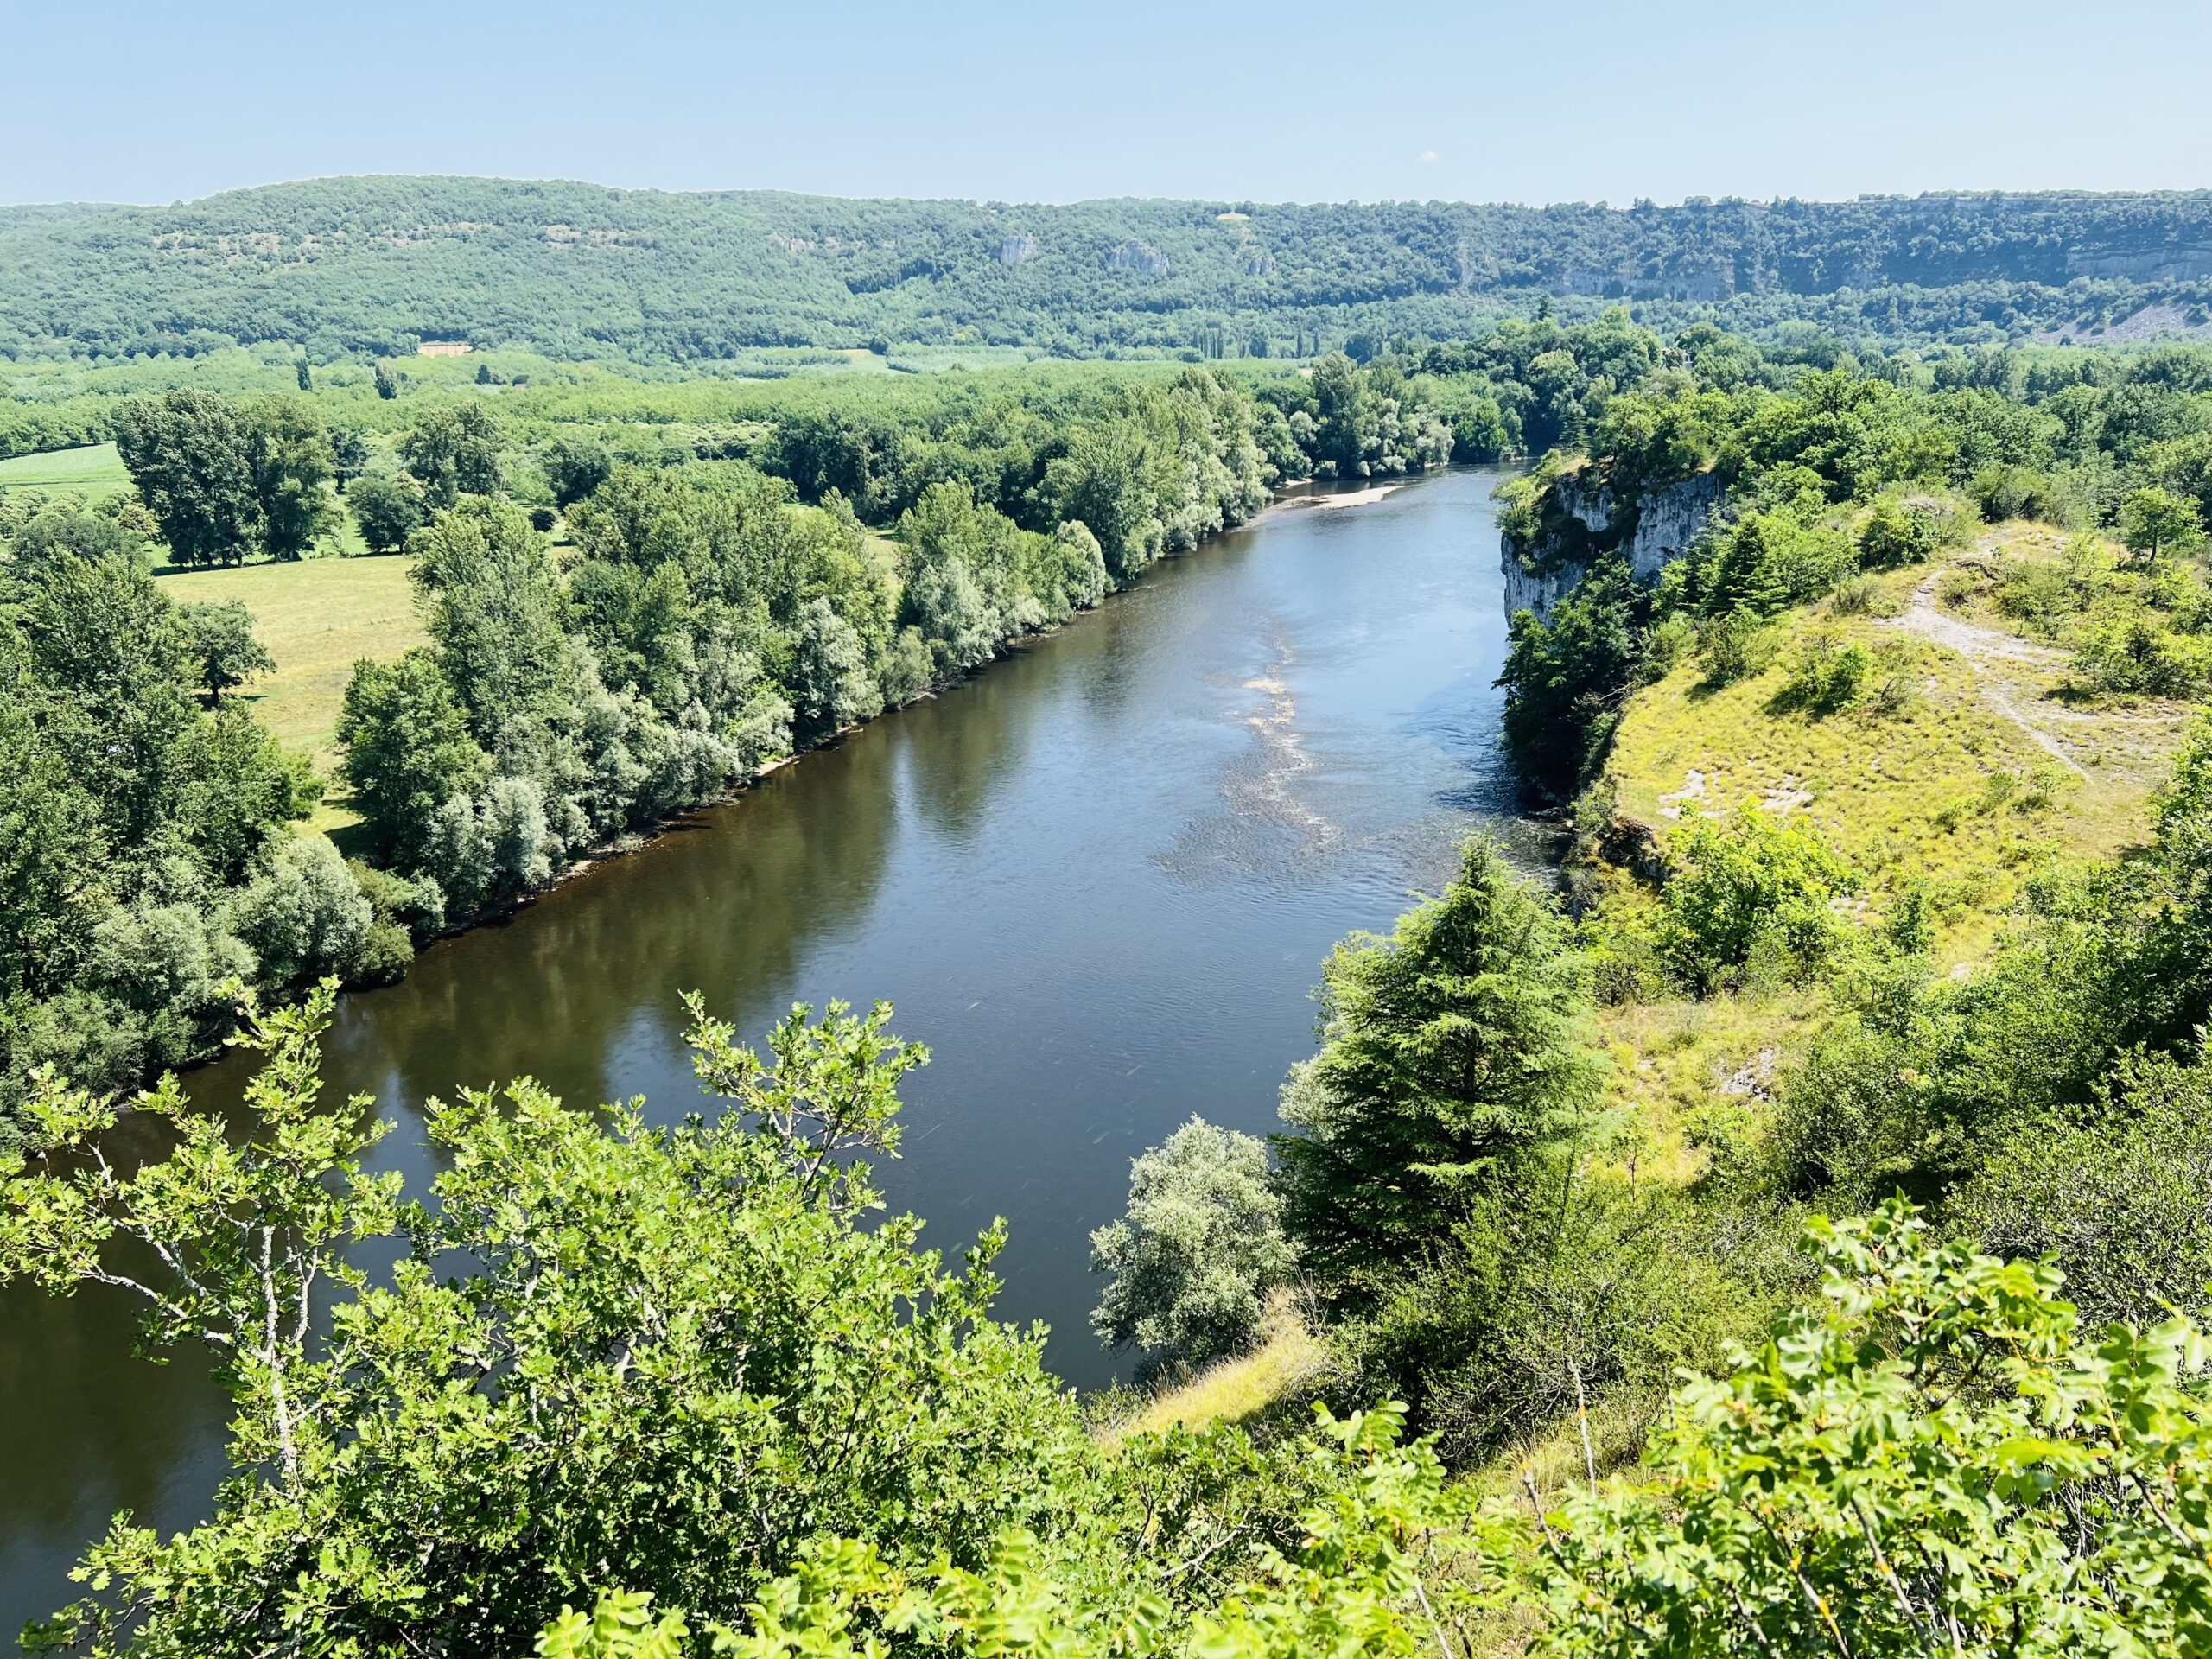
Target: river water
(1098, 881)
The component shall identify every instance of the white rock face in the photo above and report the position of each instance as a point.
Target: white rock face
(1667, 522)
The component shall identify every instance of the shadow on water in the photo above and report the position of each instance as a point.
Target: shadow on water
(1097, 879)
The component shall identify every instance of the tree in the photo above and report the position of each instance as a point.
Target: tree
(2154, 521)
(1754, 882)
(288, 454)
(661, 1358)
(219, 642)
(388, 510)
(1929, 1458)
(455, 451)
(498, 614)
(387, 381)
(405, 750)
(304, 918)
(575, 465)
(1566, 677)
(349, 453)
(1198, 1251)
(1386, 1557)
(192, 463)
(832, 686)
(1452, 1052)
(55, 533)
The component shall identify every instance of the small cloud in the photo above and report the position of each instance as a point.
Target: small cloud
(1425, 155)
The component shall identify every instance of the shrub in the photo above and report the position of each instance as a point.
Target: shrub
(1754, 881)
(1826, 676)
(1197, 1252)
(1737, 646)
(304, 918)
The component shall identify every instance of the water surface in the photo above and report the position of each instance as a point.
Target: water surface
(1096, 879)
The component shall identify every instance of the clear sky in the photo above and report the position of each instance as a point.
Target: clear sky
(1477, 101)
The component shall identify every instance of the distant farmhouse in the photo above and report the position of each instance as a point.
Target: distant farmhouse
(444, 349)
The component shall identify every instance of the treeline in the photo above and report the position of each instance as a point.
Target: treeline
(370, 266)
(145, 825)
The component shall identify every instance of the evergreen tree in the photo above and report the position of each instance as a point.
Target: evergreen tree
(1451, 1051)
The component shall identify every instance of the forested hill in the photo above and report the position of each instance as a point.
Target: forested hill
(344, 266)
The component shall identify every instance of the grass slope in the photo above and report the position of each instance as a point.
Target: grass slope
(93, 472)
(1982, 767)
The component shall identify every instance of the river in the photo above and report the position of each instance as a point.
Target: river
(1097, 879)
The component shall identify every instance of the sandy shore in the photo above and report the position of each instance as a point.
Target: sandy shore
(1351, 499)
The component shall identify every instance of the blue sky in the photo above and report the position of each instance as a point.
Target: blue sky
(1285, 102)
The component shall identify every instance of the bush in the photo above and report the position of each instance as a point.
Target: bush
(2127, 649)
(1826, 676)
(1752, 881)
(1736, 646)
(304, 918)
(1899, 532)
(2003, 493)
(1197, 1252)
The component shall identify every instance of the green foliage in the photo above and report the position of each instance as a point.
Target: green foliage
(2115, 1197)
(454, 450)
(1197, 1252)
(560, 266)
(1392, 1559)
(222, 479)
(1931, 1459)
(666, 1357)
(386, 509)
(1567, 676)
(2154, 521)
(189, 458)
(219, 642)
(1826, 676)
(1568, 1288)
(130, 819)
(1452, 1052)
(407, 750)
(1754, 892)
(1900, 533)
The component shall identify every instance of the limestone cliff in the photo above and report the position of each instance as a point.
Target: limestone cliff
(1652, 529)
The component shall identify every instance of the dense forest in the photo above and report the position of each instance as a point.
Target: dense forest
(369, 266)
(1785, 1234)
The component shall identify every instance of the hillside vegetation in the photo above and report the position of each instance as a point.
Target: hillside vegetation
(369, 266)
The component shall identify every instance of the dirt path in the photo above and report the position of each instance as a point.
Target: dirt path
(2008, 670)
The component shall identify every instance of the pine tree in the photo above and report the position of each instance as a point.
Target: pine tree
(1452, 1052)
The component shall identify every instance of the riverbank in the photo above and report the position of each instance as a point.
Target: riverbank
(1299, 495)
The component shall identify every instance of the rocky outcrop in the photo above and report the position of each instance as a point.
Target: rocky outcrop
(1653, 530)
(1017, 250)
(1137, 255)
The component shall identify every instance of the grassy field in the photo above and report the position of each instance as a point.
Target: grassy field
(317, 617)
(91, 472)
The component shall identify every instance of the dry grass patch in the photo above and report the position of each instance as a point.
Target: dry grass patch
(1292, 1353)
